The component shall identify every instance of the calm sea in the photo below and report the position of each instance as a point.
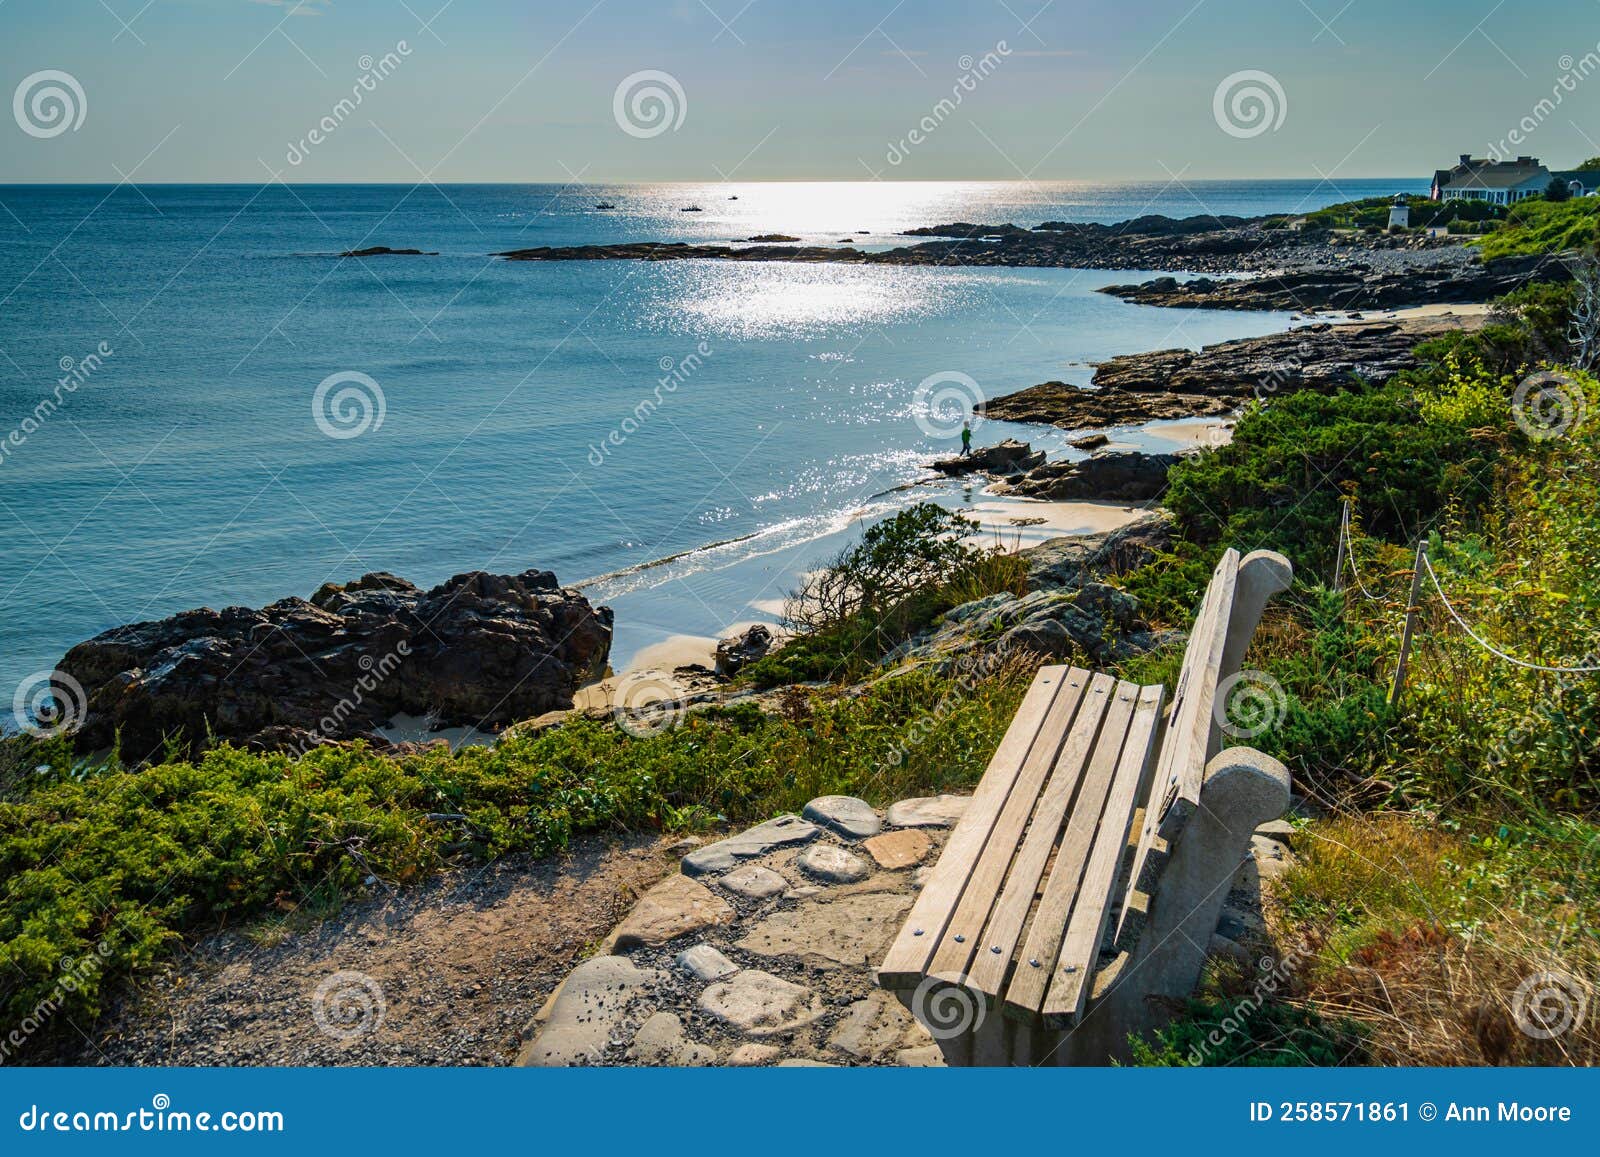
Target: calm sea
(162, 347)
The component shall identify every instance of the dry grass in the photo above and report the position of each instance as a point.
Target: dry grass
(1412, 937)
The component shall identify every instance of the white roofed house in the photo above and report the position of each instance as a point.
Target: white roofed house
(1497, 182)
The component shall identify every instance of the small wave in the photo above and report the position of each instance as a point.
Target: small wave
(786, 535)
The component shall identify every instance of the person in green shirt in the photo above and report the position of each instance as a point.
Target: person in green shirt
(966, 439)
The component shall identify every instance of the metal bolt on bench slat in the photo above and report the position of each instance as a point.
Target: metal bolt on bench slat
(1033, 962)
(995, 948)
(960, 939)
(916, 932)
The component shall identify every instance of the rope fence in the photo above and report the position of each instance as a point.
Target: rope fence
(1423, 566)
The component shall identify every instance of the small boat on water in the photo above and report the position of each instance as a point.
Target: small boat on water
(605, 205)
(691, 209)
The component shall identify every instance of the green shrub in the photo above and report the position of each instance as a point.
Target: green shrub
(115, 865)
(1539, 227)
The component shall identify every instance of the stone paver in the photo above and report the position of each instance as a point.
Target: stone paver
(586, 1011)
(871, 1027)
(725, 855)
(896, 850)
(673, 908)
(833, 864)
(754, 882)
(844, 814)
(921, 1057)
(759, 1004)
(747, 1055)
(932, 811)
(847, 930)
(660, 1041)
(1272, 858)
(705, 963)
(804, 1063)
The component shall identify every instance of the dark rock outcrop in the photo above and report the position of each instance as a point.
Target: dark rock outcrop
(385, 251)
(480, 649)
(1355, 286)
(1075, 408)
(1114, 475)
(1076, 559)
(738, 651)
(1216, 380)
(1003, 458)
(1090, 621)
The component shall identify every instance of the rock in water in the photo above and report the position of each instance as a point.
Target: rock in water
(1008, 457)
(480, 649)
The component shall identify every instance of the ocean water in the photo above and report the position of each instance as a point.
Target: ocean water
(164, 442)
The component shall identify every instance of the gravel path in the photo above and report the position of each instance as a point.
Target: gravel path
(449, 972)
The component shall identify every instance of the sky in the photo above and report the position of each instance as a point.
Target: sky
(491, 90)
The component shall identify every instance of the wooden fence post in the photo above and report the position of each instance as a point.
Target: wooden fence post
(1411, 621)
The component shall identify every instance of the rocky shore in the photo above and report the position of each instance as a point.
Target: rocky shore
(479, 650)
(1450, 276)
(1218, 379)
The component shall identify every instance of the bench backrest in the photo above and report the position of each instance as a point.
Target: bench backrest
(1228, 617)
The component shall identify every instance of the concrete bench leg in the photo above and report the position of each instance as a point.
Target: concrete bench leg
(1243, 789)
(969, 1033)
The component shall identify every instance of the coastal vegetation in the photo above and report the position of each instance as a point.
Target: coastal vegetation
(1456, 857)
(1537, 226)
(1453, 845)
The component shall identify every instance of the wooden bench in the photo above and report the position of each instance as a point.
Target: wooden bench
(1044, 932)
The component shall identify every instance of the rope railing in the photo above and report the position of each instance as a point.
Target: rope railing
(1423, 566)
(1347, 553)
(1485, 644)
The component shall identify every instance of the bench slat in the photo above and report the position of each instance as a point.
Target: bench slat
(1175, 786)
(1027, 990)
(1083, 698)
(988, 970)
(903, 966)
(1090, 914)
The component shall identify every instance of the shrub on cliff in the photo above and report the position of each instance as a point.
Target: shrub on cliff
(874, 594)
(1540, 227)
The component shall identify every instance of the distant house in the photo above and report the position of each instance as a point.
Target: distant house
(1497, 182)
(1582, 182)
